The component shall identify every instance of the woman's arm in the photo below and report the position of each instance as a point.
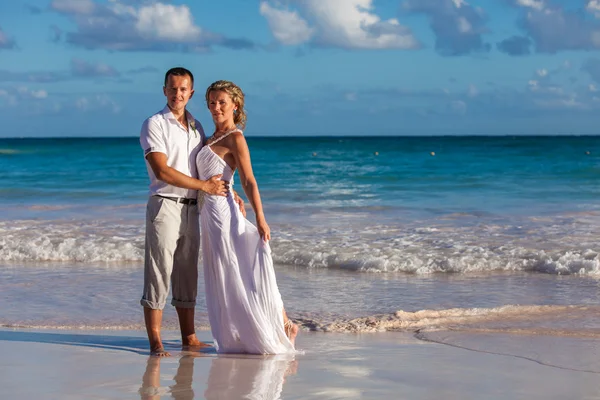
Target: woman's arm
(241, 154)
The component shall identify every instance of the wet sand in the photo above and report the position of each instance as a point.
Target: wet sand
(70, 364)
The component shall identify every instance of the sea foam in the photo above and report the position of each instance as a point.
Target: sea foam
(556, 248)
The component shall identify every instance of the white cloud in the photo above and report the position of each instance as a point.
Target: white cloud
(352, 24)
(39, 94)
(287, 26)
(16, 96)
(593, 6)
(349, 24)
(567, 102)
(535, 4)
(553, 27)
(458, 26)
(40, 102)
(533, 84)
(97, 102)
(167, 22)
(464, 26)
(126, 25)
(542, 80)
(25, 92)
(84, 69)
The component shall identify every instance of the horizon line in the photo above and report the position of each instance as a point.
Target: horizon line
(328, 136)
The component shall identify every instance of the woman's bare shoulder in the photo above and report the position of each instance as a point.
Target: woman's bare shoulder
(237, 138)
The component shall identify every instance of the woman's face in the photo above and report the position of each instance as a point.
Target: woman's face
(221, 107)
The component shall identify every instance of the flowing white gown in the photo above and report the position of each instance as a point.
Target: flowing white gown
(245, 308)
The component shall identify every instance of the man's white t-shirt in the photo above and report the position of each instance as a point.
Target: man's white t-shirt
(162, 133)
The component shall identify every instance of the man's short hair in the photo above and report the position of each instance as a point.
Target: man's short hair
(179, 71)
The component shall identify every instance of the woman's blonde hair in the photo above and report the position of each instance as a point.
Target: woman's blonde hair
(237, 96)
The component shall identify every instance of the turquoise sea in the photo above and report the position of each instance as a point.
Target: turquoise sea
(362, 227)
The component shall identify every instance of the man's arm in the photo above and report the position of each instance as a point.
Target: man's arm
(158, 163)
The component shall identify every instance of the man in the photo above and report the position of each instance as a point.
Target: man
(171, 139)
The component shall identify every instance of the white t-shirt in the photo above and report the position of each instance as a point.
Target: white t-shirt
(162, 133)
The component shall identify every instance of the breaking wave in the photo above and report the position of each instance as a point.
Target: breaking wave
(554, 249)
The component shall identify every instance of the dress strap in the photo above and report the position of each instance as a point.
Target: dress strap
(225, 135)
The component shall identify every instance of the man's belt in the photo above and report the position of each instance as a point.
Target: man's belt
(181, 200)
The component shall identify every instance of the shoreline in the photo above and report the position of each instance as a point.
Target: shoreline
(116, 365)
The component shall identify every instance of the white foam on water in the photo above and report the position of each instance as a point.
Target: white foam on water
(545, 320)
(530, 319)
(427, 250)
(558, 247)
(83, 242)
(9, 151)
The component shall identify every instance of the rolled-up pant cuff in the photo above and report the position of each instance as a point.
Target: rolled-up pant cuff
(183, 304)
(151, 304)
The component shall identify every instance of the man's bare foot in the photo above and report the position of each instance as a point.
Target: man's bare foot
(192, 343)
(291, 331)
(159, 352)
(193, 347)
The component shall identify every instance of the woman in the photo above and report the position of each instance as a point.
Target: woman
(245, 309)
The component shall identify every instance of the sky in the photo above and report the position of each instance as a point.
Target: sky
(87, 68)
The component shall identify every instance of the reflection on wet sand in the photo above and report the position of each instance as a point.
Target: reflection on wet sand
(181, 390)
(260, 377)
(230, 377)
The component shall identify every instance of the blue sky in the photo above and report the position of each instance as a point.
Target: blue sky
(308, 67)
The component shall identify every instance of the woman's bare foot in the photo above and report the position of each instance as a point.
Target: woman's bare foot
(292, 369)
(291, 331)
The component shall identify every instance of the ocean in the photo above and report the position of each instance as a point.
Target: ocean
(493, 234)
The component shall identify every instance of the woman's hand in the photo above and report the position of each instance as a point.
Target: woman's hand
(263, 229)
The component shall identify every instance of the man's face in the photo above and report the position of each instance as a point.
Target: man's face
(178, 92)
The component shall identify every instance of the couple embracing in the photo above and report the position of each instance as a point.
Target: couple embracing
(189, 191)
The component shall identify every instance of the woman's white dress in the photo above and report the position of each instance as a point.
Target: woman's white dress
(245, 309)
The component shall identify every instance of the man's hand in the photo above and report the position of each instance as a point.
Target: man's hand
(240, 203)
(216, 186)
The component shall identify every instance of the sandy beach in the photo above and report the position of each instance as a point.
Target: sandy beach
(62, 364)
